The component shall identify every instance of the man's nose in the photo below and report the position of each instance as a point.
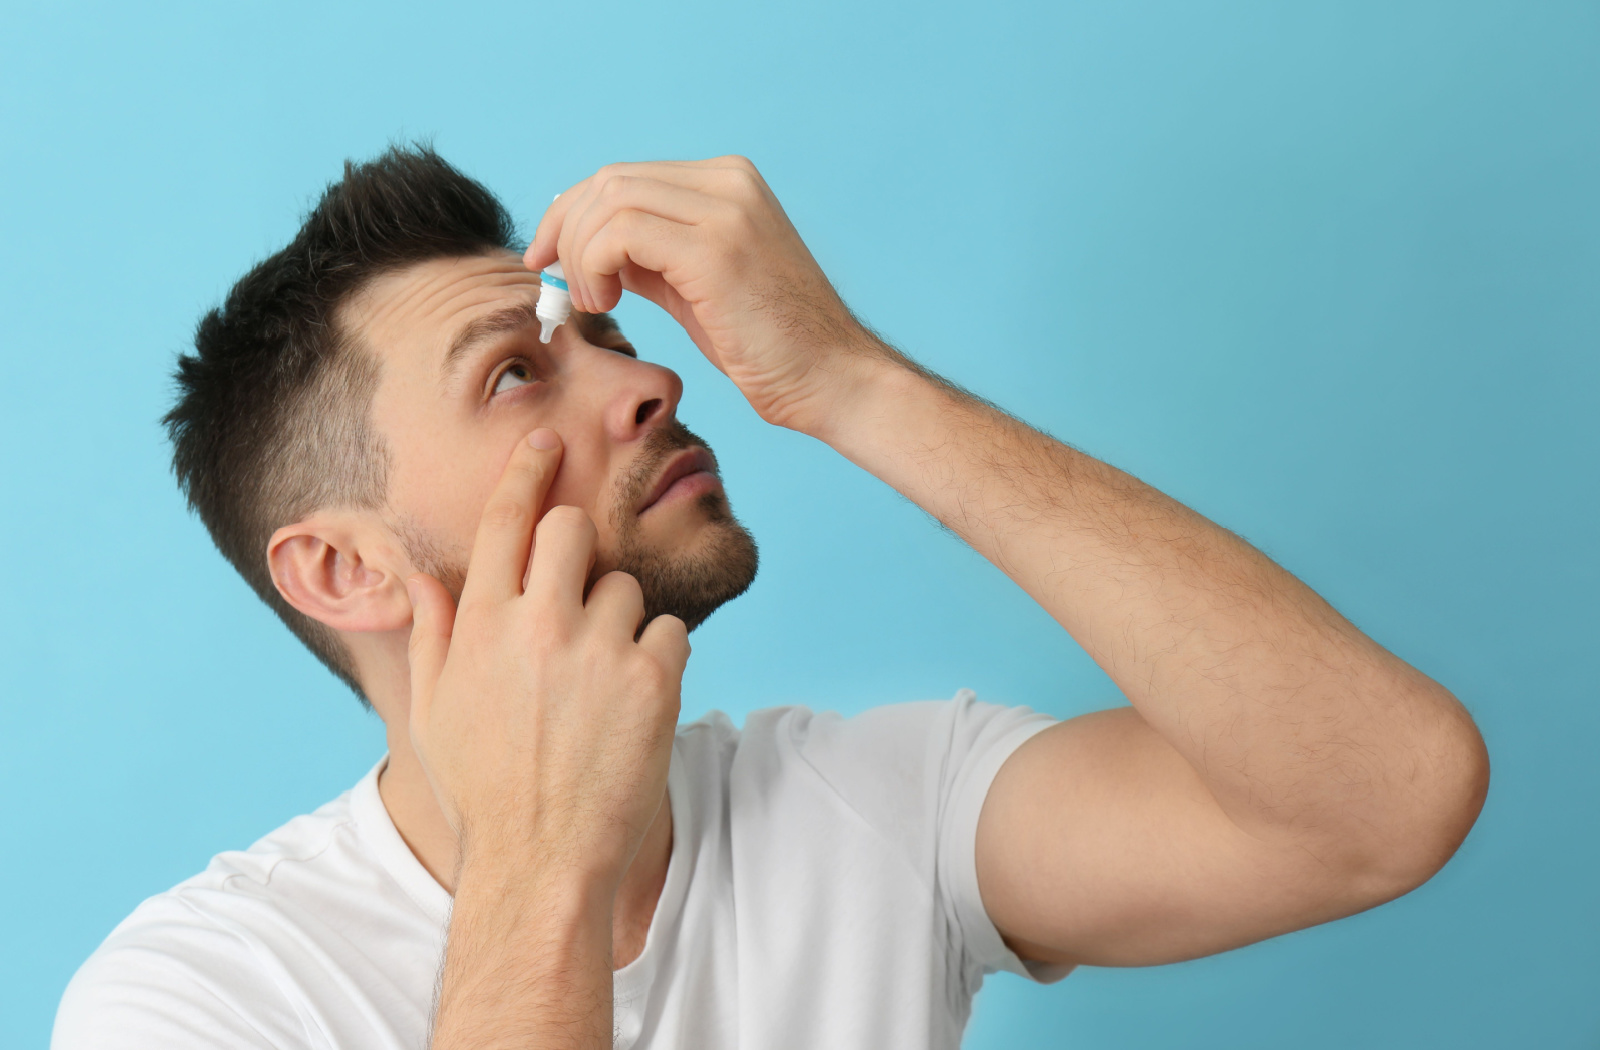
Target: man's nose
(647, 396)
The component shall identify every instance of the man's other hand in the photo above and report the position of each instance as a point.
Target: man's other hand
(708, 242)
(545, 728)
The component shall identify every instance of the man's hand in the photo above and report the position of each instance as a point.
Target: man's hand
(708, 242)
(546, 732)
(537, 716)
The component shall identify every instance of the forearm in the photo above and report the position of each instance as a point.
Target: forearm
(1292, 716)
(527, 963)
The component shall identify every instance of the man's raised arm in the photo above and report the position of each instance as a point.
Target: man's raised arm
(1278, 767)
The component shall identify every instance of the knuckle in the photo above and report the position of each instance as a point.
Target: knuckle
(624, 582)
(566, 516)
(504, 513)
(528, 467)
(598, 249)
(630, 222)
(671, 624)
(567, 520)
(741, 224)
(649, 676)
(745, 182)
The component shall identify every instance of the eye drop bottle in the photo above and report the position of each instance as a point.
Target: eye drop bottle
(555, 302)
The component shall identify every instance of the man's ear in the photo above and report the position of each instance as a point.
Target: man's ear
(340, 573)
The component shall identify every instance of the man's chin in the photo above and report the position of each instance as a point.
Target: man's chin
(694, 577)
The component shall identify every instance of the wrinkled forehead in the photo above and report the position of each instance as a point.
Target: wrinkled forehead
(408, 318)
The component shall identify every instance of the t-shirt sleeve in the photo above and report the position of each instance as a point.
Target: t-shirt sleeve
(167, 980)
(920, 772)
(983, 736)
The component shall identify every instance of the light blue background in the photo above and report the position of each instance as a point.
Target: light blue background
(1329, 272)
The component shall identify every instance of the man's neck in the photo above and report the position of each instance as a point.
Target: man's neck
(409, 798)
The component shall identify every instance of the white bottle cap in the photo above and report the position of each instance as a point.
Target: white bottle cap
(555, 302)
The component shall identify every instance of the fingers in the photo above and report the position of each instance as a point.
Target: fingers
(619, 194)
(501, 549)
(667, 639)
(616, 604)
(692, 175)
(649, 284)
(687, 192)
(433, 617)
(646, 241)
(563, 554)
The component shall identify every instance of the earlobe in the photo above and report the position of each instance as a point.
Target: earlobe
(323, 570)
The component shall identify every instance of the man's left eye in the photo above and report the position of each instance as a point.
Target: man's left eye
(514, 376)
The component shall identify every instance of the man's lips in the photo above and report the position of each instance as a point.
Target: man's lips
(691, 461)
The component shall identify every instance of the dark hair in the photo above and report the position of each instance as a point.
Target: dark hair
(272, 419)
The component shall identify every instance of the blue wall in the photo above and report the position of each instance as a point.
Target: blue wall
(1327, 271)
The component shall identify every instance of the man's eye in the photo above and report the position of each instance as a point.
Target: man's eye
(514, 376)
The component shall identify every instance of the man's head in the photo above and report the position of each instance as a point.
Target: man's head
(349, 408)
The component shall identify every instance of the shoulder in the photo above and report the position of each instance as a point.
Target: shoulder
(902, 769)
(194, 966)
(894, 744)
(175, 973)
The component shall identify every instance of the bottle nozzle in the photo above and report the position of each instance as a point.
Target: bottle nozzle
(555, 302)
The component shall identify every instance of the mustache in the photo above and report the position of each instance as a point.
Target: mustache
(659, 445)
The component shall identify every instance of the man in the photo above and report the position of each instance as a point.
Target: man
(502, 545)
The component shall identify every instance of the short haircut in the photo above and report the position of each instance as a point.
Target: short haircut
(273, 413)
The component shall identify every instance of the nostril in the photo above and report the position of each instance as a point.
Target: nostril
(646, 410)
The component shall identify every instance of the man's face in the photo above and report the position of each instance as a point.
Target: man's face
(464, 378)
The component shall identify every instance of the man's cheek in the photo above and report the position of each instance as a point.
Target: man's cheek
(569, 489)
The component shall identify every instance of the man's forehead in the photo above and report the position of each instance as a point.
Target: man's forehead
(417, 310)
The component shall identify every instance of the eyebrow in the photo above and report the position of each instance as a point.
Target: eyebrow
(483, 329)
(597, 324)
(516, 318)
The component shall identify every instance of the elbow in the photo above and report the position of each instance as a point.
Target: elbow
(1431, 803)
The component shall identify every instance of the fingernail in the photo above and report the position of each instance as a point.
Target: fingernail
(411, 592)
(544, 438)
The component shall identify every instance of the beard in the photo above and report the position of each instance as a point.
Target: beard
(693, 585)
(690, 586)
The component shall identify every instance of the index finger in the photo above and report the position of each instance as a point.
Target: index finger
(503, 545)
(541, 251)
(688, 174)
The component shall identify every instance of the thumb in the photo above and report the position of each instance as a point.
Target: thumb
(433, 618)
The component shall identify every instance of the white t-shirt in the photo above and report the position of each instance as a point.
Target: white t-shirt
(821, 892)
